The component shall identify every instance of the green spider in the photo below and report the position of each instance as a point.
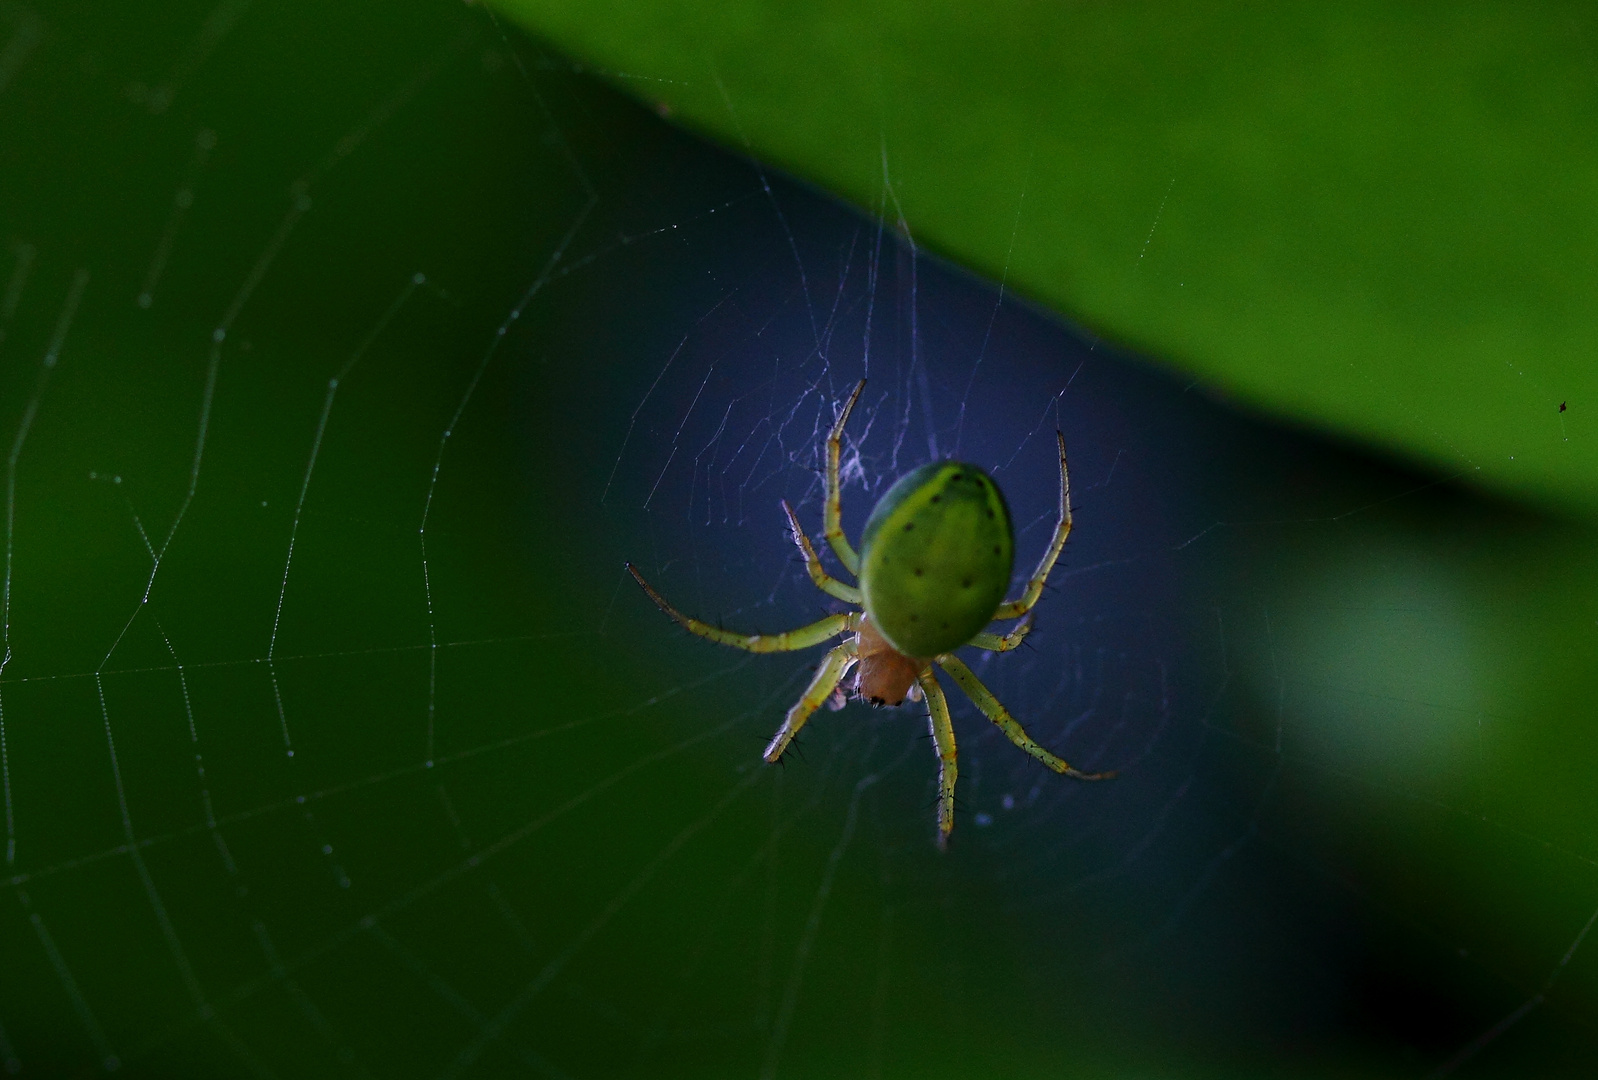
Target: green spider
(934, 563)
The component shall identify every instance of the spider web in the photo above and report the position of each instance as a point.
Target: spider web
(335, 740)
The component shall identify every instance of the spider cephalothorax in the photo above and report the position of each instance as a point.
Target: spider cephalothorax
(934, 562)
(883, 674)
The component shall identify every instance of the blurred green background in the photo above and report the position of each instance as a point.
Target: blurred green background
(347, 351)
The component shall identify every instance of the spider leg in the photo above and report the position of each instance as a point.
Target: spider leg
(818, 574)
(833, 520)
(1011, 609)
(832, 669)
(1004, 642)
(995, 711)
(943, 737)
(802, 638)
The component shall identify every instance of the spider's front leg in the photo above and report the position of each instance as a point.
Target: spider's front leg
(943, 739)
(995, 711)
(828, 675)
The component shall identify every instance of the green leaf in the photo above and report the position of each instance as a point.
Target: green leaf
(1381, 221)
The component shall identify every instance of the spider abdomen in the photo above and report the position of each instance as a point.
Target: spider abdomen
(935, 558)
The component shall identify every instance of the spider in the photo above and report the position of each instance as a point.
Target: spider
(933, 567)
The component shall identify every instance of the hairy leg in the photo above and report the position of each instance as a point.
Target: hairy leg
(1012, 609)
(832, 669)
(943, 739)
(802, 638)
(818, 574)
(834, 512)
(995, 711)
(1004, 642)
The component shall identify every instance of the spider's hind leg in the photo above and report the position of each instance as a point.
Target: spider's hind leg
(1014, 609)
(818, 574)
(833, 513)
